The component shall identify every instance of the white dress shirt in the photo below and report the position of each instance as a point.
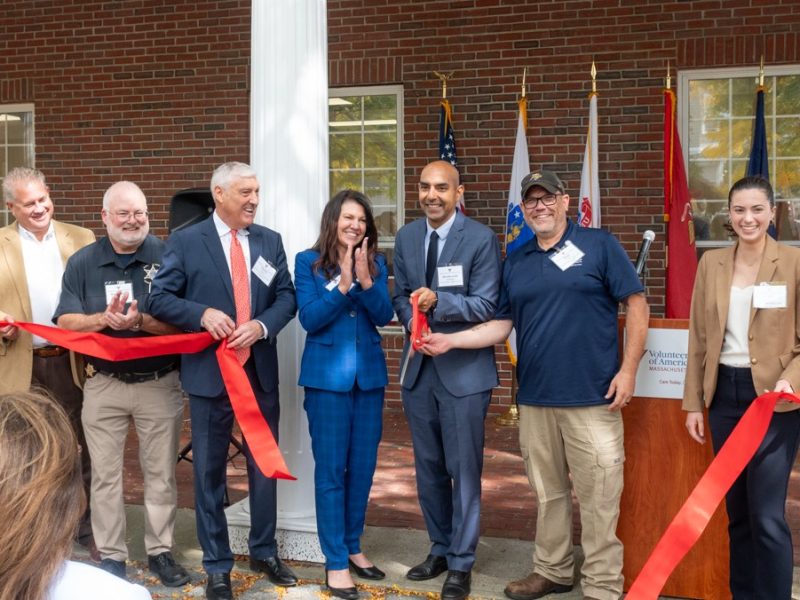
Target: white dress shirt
(43, 271)
(225, 238)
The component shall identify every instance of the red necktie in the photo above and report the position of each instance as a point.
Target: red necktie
(241, 291)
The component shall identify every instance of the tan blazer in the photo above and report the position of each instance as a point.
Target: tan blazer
(16, 357)
(773, 335)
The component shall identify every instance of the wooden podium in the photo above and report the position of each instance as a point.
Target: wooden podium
(662, 466)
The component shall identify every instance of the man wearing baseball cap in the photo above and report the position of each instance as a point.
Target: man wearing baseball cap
(561, 292)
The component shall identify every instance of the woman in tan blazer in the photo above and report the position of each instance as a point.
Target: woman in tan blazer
(744, 340)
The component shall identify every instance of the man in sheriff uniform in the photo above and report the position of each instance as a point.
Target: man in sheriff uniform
(105, 289)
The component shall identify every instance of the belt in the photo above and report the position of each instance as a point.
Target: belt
(49, 351)
(140, 377)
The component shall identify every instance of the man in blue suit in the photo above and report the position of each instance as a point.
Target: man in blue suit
(204, 283)
(452, 265)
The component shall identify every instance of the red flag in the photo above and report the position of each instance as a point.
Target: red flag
(681, 251)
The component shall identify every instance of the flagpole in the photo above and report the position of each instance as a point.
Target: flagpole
(510, 418)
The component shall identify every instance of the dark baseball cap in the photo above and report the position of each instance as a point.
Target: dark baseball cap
(544, 179)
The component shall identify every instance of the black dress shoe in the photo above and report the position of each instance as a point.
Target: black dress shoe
(456, 586)
(169, 572)
(219, 587)
(115, 567)
(350, 593)
(433, 566)
(372, 572)
(278, 573)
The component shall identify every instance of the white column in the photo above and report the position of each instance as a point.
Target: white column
(289, 151)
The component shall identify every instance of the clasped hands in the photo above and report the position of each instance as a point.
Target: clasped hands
(117, 318)
(359, 257)
(221, 326)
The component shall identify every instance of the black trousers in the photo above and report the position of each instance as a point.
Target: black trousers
(54, 373)
(760, 539)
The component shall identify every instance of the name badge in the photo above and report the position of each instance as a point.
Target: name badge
(450, 276)
(769, 295)
(568, 256)
(335, 283)
(124, 287)
(264, 270)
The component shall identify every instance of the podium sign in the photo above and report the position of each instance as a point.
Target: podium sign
(662, 370)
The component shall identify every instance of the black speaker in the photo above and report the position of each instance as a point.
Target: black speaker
(188, 207)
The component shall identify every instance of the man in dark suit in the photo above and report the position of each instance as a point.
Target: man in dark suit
(452, 265)
(204, 283)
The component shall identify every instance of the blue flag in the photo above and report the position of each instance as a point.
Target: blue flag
(759, 161)
(758, 164)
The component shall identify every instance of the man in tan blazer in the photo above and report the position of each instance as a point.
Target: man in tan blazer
(33, 252)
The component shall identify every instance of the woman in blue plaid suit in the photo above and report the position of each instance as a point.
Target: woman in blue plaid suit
(342, 296)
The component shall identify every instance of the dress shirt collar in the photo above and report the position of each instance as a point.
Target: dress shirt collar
(51, 231)
(443, 229)
(222, 228)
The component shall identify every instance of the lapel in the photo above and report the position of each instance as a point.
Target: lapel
(418, 245)
(769, 262)
(723, 285)
(12, 254)
(256, 243)
(66, 244)
(453, 240)
(214, 246)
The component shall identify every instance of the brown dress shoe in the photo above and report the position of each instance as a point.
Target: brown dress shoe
(534, 586)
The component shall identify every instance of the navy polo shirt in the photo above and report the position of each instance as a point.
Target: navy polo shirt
(566, 321)
(83, 291)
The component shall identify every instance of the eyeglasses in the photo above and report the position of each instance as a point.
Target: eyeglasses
(533, 201)
(124, 215)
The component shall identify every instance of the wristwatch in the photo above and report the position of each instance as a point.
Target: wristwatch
(138, 325)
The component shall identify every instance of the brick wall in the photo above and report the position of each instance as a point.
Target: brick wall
(155, 92)
(158, 92)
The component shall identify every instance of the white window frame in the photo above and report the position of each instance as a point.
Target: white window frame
(685, 76)
(5, 218)
(384, 90)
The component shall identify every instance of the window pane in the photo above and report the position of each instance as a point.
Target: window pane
(385, 220)
(787, 179)
(709, 139)
(19, 127)
(345, 150)
(19, 156)
(787, 99)
(743, 96)
(344, 180)
(710, 217)
(788, 133)
(344, 114)
(708, 99)
(381, 108)
(380, 149)
(741, 131)
(709, 179)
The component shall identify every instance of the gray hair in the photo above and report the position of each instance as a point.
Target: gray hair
(121, 186)
(227, 172)
(17, 176)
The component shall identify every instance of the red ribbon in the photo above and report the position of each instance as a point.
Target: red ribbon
(254, 427)
(419, 324)
(693, 517)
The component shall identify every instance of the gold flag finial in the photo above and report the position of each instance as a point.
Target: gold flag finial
(761, 73)
(443, 77)
(669, 77)
(524, 73)
(594, 78)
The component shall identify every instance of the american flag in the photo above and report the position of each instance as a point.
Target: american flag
(447, 141)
